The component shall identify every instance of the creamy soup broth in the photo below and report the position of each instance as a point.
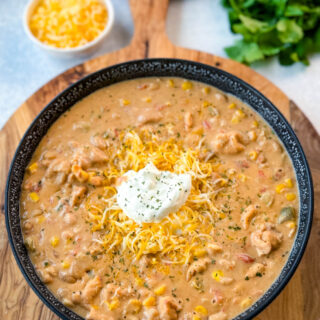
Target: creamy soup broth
(213, 257)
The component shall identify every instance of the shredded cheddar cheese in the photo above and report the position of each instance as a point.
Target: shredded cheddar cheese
(178, 237)
(68, 23)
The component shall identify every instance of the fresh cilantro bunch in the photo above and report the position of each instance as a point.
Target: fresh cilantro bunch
(288, 28)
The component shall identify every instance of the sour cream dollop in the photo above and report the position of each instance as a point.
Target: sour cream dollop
(149, 195)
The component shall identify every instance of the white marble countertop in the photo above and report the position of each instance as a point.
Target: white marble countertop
(200, 24)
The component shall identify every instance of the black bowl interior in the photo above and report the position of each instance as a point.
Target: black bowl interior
(147, 68)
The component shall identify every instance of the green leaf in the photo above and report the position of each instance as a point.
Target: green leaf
(308, 22)
(246, 52)
(235, 52)
(225, 3)
(280, 6)
(305, 47)
(285, 57)
(248, 3)
(269, 43)
(253, 53)
(252, 25)
(289, 56)
(289, 31)
(287, 28)
(317, 40)
(293, 11)
(241, 29)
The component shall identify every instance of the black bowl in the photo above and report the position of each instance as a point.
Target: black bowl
(146, 68)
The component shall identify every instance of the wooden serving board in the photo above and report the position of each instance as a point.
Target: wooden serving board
(298, 301)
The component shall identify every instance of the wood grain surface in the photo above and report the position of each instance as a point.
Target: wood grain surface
(298, 301)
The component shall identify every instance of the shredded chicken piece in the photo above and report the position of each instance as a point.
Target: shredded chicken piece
(91, 289)
(48, 274)
(188, 121)
(229, 143)
(149, 116)
(266, 239)
(60, 168)
(197, 267)
(77, 195)
(111, 291)
(97, 315)
(98, 142)
(247, 215)
(213, 249)
(168, 308)
(226, 280)
(227, 264)
(151, 314)
(254, 269)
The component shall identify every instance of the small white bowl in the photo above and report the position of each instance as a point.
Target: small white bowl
(83, 50)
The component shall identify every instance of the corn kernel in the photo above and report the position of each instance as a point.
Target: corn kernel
(124, 102)
(139, 281)
(206, 90)
(288, 183)
(149, 302)
(235, 119)
(186, 85)
(54, 241)
(221, 215)
(92, 174)
(242, 177)
(65, 264)
(255, 124)
(253, 155)
(239, 113)
(196, 317)
(170, 83)
(80, 174)
(291, 224)
(280, 187)
(41, 219)
(114, 304)
(136, 304)
(232, 105)
(245, 303)
(252, 135)
(147, 99)
(200, 253)
(202, 310)
(290, 196)
(83, 176)
(198, 131)
(160, 290)
(34, 197)
(216, 275)
(223, 182)
(33, 167)
(206, 104)
(164, 269)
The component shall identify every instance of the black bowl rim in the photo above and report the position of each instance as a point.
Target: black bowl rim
(259, 305)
